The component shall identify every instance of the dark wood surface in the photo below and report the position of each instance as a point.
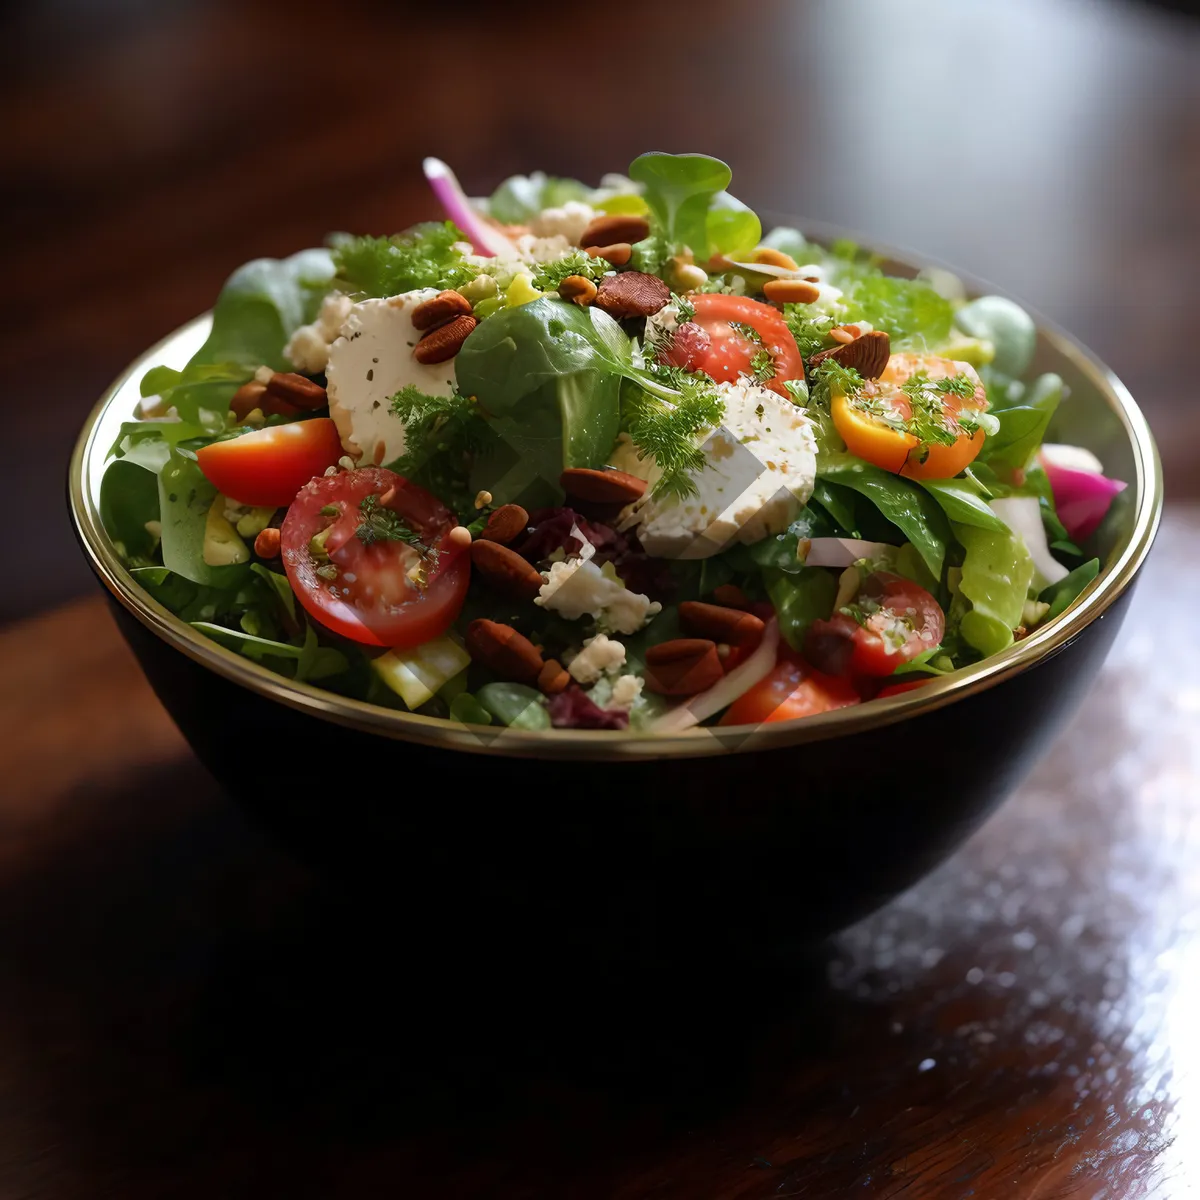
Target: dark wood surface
(185, 1013)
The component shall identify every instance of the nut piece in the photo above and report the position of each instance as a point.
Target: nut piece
(444, 342)
(505, 523)
(632, 294)
(721, 624)
(867, 354)
(505, 570)
(247, 398)
(603, 231)
(770, 257)
(619, 253)
(682, 667)
(553, 677)
(443, 307)
(504, 651)
(578, 288)
(296, 390)
(602, 487)
(791, 291)
(266, 545)
(845, 334)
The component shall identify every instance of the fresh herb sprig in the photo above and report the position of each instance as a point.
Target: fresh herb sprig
(424, 256)
(547, 276)
(667, 432)
(378, 524)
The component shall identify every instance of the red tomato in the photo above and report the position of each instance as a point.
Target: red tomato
(729, 351)
(793, 689)
(897, 689)
(269, 466)
(384, 592)
(900, 620)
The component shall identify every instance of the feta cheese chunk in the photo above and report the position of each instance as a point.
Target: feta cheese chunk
(308, 348)
(568, 220)
(577, 588)
(368, 364)
(760, 467)
(600, 654)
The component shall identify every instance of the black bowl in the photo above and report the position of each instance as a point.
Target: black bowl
(755, 837)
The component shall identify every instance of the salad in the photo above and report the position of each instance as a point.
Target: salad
(605, 458)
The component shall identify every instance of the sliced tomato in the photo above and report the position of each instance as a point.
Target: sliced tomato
(712, 343)
(896, 620)
(269, 466)
(868, 423)
(378, 589)
(793, 689)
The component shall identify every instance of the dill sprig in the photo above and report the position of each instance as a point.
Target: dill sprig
(747, 331)
(549, 275)
(928, 423)
(436, 425)
(811, 330)
(684, 307)
(762, 366)
(667, 431)
(383, 525)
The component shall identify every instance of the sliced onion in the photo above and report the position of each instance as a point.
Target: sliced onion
(843, 552)
(486, 239)
(1081, 498)
(722, 694)
(1023, 515)
(1071, 458)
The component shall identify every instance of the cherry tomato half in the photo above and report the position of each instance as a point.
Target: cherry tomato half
(269, 466)
(874, 439)
(793, 689)
(899, 620)
(369, 582)
(711, 342)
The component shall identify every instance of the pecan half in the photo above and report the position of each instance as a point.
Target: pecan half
(602, 487)
(618, 253)
(553, 677)
(439, 309)
(603, 231)
(444, 342)
(505, 570)
(632, 294)
(296, 390)
(682, 667)
(578, 288)
(505, 523)
(504, 651)
(867, 354)
(721, 624)
(770, 257)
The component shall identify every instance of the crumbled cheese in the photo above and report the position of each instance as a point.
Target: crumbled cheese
(308, 347)
(368, 364)
(625, 691)
(568, 220)
(264, 374)
(577, 586)
(760, 467)
(600, 654)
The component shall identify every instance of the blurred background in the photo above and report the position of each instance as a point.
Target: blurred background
(150, 146)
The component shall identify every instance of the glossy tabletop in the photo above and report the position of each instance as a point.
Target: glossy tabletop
(186, 1013)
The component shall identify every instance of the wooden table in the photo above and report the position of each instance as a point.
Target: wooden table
(185, 1013)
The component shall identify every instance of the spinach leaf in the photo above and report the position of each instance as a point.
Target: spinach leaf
(1023, 427)
(731, 225)
(905, 505)
(962, 500)
(128, 500)
(184, 498)
(547, 375)
(680, 189)
(312, 661)
(996, 573)
(1062, 594)
(148, 444)
(514, 705)
(839, 505)
(800, 598)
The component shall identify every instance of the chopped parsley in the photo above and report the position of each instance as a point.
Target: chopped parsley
(667, 432)
(424, 256)
(811, 330)
(747, 331)
(762, 366)
(684, 307)
(383, 525)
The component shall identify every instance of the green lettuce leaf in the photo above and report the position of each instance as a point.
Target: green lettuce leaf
(963, 500)
(1023, 427)
(423, 256)
(996, 573)
(1062, 594)
(800, 598)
